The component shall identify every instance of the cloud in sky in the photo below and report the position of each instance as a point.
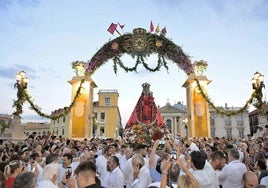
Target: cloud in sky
(9, 72)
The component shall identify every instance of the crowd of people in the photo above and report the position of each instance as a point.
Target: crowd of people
(47, 161)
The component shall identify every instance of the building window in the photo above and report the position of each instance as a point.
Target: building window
(102, 133)
(168, 123)
(212, 132)
(241, 133)
(63, 119)
(212, 120)
(228, 122)
(107, 101)
(62, 131)
(102, 117)
(229, 133)
(239, 120)
(95, 115)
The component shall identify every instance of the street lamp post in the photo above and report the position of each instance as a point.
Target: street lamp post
(21, 85)
(22, 79)
(258, 84)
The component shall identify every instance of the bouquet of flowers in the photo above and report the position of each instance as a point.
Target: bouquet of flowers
(144, 134)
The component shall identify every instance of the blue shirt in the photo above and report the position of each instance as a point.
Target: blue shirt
(156, 176)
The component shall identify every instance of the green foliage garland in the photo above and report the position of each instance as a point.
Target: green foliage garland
(254, 96)
(22, 96)
(18, 104)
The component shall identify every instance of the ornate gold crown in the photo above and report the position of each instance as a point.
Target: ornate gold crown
(139, 31)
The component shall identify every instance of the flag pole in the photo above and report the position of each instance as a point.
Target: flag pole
(118, 32)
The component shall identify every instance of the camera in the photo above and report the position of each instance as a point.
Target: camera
(173, 154)
(68, 172)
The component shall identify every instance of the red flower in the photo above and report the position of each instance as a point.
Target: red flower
(157, 135)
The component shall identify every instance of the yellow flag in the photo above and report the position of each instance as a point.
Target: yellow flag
(157, 29)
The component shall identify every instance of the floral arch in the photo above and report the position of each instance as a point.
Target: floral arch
(139, 44)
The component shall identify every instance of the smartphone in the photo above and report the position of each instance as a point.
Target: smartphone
(161, 142)
(68, 172)
(33, 169)
(177, 139)
(139, 166)
(173, 154)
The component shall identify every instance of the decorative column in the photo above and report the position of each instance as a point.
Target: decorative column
(197, 107)
(81, 122)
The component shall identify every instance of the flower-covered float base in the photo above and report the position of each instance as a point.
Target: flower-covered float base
(145, 134)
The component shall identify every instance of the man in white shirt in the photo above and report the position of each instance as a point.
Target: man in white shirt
(36, 159)
(128, 168)
(101, 162)
(49, 177)
(218, 161)
(192, 146)
(123, 160)
(205, 177)
(232, 173)
(141, 173)
(67, 159)
(115, 177)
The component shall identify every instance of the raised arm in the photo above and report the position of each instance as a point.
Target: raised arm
(152, 155)
(164, 174)
(186, 170)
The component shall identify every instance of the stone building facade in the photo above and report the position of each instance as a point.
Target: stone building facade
(236, 126)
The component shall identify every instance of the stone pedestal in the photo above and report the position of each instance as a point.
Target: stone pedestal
(15, 132)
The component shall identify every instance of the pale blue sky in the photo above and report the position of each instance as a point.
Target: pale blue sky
(44, 37)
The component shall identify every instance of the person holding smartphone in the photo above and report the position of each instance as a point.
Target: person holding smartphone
(156, 162)
(65, 171)
(141, 173)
